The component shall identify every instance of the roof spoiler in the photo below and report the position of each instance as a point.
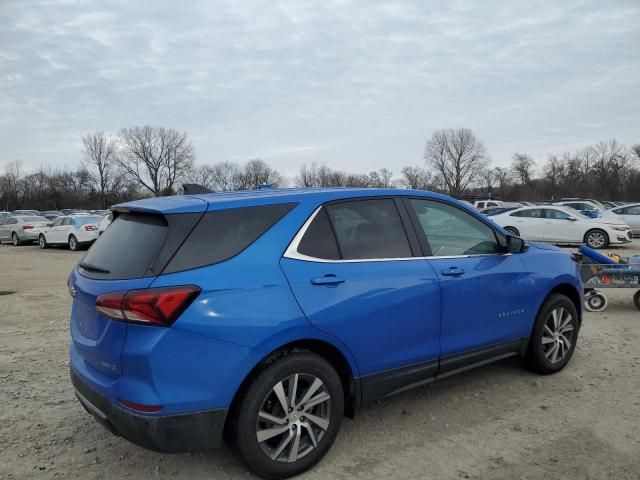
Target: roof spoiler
(194, 189)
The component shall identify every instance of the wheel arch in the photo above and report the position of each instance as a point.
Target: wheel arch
(322, 348)
(572, 293)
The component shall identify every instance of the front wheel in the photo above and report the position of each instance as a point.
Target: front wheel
(288, 417)
(596, 239)
(42, 241)
(73, 243)
(554, 335)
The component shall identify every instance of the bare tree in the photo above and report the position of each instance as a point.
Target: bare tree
(416, 178)
(636, 150)
(156, 158)
(522, 168)
(100, 159)
(381, 179)
(457, 156)
(257, 172)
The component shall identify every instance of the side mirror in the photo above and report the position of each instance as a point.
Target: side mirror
(515, 244)
(571, 219)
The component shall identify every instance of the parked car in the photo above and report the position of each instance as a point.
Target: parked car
(4, 214)
(76, 231)
(104, 223)
(557, 224)
(189, 320)
(490, 212)
(71, 211)
(630, 214)
(587, 208)
(481, 204)
(20, 229)
(102, 213)
(25, 212)
(51, 214)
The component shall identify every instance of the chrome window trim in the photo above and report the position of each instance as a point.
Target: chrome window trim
(292, 250)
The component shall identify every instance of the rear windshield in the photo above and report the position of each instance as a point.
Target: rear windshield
(34, 219)
(126, 249)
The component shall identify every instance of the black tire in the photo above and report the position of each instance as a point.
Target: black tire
(74, 244)
(540, 357)
(15, 240)
(636, 299)
(596, 239)
(242, 430)
(512, 231)
(42, 241)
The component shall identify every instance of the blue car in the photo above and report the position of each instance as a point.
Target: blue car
(264, 317)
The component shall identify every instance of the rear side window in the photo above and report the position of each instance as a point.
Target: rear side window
(319, 240)
(126, 249)
(223, 234)
(369, 229)
(532, 213)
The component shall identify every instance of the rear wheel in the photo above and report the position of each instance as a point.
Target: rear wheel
(42, 241)
(15, 240)
(73, 243)
(554, 335)
(636, 299)
(512, 231)
(288, 417)
(596, 239)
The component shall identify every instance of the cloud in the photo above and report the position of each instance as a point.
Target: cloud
(356, 84)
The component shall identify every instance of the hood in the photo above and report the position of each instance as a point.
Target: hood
(610, 220)
(544, 246)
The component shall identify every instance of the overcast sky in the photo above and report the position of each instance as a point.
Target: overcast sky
(356, 85)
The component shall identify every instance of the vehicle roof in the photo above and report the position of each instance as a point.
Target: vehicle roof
(224, 200)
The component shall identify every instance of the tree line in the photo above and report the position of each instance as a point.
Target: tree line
(155, 161)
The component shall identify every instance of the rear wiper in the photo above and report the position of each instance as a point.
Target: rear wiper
(93, 268)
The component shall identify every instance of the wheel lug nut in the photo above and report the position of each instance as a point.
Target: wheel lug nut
(293, 427)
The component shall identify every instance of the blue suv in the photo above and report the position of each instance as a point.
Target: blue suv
(264, 317)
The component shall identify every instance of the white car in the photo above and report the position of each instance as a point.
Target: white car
(76, 231)
(104, 223)
(556, 224)
(588, 208)
(630, 214)
(482, 204)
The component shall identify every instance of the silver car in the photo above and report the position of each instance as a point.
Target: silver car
(631, 216)
(21, 229)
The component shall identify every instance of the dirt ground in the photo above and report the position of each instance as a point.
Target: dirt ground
(496, 422)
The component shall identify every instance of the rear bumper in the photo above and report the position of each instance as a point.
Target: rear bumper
(163, 433)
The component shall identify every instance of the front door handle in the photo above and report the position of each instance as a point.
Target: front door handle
(453, 272)
(327, 280)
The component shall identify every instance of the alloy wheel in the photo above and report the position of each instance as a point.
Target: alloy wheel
(293, 418)
(42, 242)
(14, 239)
(558, 335)
(73, 244)
(596, 240)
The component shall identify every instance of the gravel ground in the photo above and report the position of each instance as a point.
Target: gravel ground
(496, 422)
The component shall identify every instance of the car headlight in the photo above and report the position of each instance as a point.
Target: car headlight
(621, 229)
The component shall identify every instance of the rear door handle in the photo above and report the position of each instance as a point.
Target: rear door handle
(327, 280)
(453, 272)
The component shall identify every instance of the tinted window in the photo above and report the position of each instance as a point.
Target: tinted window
(128, 246)
(532, 213)
(557, 214)
(369, 229)
(223, 234)
(452, 231)
(318, 240)
(633, 210)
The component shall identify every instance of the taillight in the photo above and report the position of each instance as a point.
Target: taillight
(152, 306)
(27, 227)
(90, 228)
